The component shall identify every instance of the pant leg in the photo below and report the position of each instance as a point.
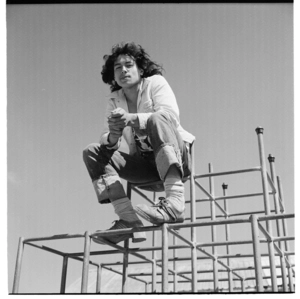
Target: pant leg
(168, 146)
(106, 167)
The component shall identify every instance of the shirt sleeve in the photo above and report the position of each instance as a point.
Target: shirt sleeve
(163, 100)
(105, 132)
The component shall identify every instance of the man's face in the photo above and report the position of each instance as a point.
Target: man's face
(127, 74)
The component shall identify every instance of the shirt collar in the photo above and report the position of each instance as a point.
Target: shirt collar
(120, 93)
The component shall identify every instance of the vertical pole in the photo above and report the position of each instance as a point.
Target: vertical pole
(227, 235)
(18, 266)
(153, 276)
(154, 255)
(99, 277)
(285, 233)
(243, 285)
(259, 132)
(64, 275)
(126, 255)
(125, 266)
(213, 231)
(193, 219)
(175, 265)
(277, 211)
(256, 254)
(165, 288)
(86, 260)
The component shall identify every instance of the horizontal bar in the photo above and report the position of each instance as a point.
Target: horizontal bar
(232, 215)
(208, 223)
(47, 249)
(231, 197)
(211, 174)
(276, 239)
(274, 217)
(59, 253)
(145, 249)
(224, 243)
(81, 260)
(155, 228)
(55, 237)
(118, 272)
(103, 252)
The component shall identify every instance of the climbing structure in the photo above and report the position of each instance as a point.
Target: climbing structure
(268, 243)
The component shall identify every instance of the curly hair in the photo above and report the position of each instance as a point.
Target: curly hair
(137, 53)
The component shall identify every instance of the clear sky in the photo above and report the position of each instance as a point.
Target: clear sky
(229, 65)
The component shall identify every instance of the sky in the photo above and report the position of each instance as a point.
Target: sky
(229, 65)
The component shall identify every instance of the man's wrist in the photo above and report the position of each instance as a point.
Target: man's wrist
(112, 139)
(133, 120)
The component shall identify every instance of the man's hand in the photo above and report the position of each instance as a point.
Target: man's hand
(119, 119)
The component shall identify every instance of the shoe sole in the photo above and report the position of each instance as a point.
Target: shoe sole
(146, 217)
(136, 238)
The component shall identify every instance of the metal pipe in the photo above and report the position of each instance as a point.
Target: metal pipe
(197, 176)
(125, 267)
(264, 177)
(243, 285)
(285, 233)
(175, 265)
(154, 275)
(227, 237)
(278, 227)
(17, 275)
(256, 253)
(48, 249)
(274, 217)
(154, 257)
(213, 230)
(232, 215)
(64, 275)
(99, 278)
(164, 229)
(217, 198)
(85, 267)
(55, 237)
(118, 272)
(193, 213)
(212, 199)
(176, 234)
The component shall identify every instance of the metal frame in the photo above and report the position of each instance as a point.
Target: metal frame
(277, 243)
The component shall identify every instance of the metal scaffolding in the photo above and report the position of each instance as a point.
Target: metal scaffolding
(261, 224)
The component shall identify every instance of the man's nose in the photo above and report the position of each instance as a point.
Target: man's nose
(124, 69)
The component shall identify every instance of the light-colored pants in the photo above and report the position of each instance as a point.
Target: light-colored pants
(106, 166)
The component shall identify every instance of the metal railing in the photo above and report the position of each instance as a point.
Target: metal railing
(278, 243)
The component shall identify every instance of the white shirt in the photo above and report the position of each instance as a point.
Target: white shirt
(155, 94)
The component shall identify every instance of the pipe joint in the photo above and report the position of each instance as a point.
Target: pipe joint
(259, 130)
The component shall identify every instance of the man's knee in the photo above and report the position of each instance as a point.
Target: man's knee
(157, 117)
(92, 148)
